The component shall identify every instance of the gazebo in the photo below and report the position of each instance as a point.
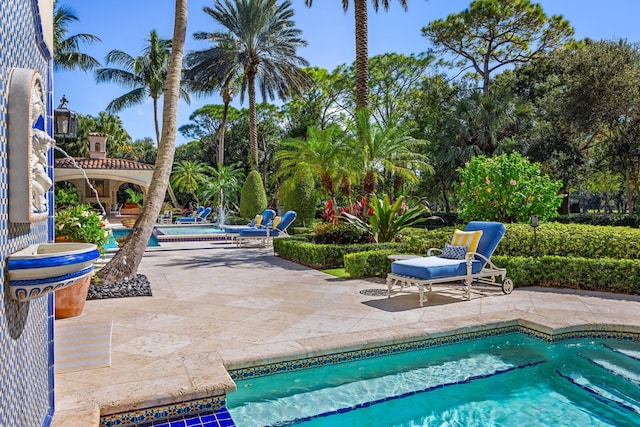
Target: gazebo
(106, 175)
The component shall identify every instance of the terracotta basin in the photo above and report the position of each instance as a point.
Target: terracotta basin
(39, 269)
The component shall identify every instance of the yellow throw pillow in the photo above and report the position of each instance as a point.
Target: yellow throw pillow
(470, 239)
(276, 221)
(258, 220)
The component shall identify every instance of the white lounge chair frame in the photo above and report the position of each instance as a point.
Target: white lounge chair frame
(489, 275)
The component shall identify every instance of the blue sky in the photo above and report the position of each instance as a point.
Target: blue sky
(125, 25)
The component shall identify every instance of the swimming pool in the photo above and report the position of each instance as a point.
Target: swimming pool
(122, 232)
(184, 230)
(504, 380)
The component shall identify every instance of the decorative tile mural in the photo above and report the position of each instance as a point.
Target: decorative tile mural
(26, 328)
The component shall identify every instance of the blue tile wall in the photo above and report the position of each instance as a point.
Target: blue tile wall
(26, 328)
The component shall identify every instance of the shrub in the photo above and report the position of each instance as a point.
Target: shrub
(324, 256)
(585, 241)
(387, 219)
(506, 188)
(369, 263)
(604, 274)
(81, 223)
(253, 199)
(610, 220)
(298, 194)
(341, 234)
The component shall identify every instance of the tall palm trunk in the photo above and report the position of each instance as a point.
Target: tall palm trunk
(362, 55)
(155, 119)
(253, 120)
(126, 261)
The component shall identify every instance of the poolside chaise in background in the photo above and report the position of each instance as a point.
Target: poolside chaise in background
(192, 216)
(166, 217)
(200, 216)
(263, 220)
(264, 236)
(463, 263)
(115, 211)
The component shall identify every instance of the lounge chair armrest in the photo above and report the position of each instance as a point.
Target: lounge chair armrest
(475, 255)
(434, 251)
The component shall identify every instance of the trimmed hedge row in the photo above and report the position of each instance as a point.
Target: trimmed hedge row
(567, 240)
(324, 256)
(452, 219)
(604, 220)
(606, 274)
(369, 263)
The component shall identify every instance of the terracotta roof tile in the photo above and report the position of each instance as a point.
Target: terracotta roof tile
(85, 163)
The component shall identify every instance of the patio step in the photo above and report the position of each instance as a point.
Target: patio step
(303, 405)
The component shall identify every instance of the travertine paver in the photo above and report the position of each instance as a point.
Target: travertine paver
(215, 305)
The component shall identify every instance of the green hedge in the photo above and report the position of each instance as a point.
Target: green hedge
(368, 264)
(573, 240)
(574, 256)
(604, 274)
(324, 256)
(607, 220)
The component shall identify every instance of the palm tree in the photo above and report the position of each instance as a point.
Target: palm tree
(125, 262)
(145, 75)
(362, 48)
(386, 150)
(258, 46)
(200, 78)
(224, 187)
(322, 152)
(66, 49)
(188, 175)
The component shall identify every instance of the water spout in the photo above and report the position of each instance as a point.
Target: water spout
(86, 178)
(222, 215)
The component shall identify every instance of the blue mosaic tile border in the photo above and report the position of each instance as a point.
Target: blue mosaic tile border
(312, 362)
(160, 415)
(165, 238)
(26, 328)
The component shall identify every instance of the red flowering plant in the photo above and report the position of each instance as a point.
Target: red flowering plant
(387, 218)
(329, 213)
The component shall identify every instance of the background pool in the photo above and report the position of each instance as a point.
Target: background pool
(122, 232)
(188, 230)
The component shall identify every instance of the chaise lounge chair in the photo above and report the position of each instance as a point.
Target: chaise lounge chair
(264, 236)
(197, 216)
(463, 263)
(263, 220)
(115, 211)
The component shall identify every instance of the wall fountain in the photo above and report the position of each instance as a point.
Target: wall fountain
(41, 268)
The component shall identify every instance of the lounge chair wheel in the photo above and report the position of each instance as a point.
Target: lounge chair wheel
(507, 285)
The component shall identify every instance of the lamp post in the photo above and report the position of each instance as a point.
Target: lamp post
(65, 121)
(534, 224)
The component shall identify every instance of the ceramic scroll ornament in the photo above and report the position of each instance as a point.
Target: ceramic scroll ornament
(29, 145)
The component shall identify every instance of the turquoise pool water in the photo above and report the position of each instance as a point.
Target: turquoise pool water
(190, 230)
(122, 232)
(511, 380)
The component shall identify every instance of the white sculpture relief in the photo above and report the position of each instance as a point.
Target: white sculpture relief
(28, 147)
(41, 142)
(40, 181)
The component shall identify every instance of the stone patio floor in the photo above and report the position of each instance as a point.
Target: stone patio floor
(216, 306)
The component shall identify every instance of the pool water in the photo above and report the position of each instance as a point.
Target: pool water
(512, 380)
(188, 230)
(122, 232)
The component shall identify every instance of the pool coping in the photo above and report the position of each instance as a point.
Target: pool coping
(238, 369)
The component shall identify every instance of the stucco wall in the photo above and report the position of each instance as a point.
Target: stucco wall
(26, 328)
